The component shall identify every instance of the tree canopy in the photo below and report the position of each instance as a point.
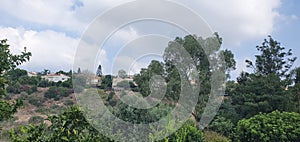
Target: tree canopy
(273, 59)
(8, 62)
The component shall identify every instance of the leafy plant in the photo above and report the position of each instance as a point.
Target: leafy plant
(222, 125)
(211, 136)
(9, 61)
(69, 126)
(274, 127)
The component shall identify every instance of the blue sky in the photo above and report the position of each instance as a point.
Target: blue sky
(51, 30)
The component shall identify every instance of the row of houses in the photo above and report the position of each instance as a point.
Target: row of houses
(51, 77)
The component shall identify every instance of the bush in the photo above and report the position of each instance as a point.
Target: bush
(28, 80)
(222, 125)
(14, 88)
(68, 102)
(110, 96)
(15, 74)
(35, 119)
(275, 126)
(36, 101)
(211, 136)
(69, 126)
(187, 133)
(67, 84)
(32, 89)
(124, 84)
(58, 92)
(44, 83)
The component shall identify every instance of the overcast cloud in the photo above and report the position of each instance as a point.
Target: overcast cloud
(51, 29)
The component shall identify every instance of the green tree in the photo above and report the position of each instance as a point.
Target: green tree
(124, 84)
(259, 94)
(273, 59)
(15, 88)
(203, 53)
(29, 80)
(187, 133)
(44, 83)
(57, 92)
(8, 61)
(15, 74)
(122, 74)
(143, 78)
(106, 82)
(272, 127)
(222, 125)
(69, 126)
(64, 73)
(229, 60)
(265, 89)
(200, 50)
(45, 72)
(294, 104)
(295, 75)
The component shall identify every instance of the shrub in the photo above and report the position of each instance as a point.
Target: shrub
(69, 126)
(25, 88)
(32, 89)
(35, 119)
(123, 93)
(68, 102)
(57, 92)
(222, 125)
(275, 126)
(211, 136)
(14, 88)
(44, 83)
(124, 84)
(36, 101)
(187, 133)
(28, 80)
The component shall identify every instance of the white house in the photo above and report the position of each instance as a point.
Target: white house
(56, 77)
(31, 74)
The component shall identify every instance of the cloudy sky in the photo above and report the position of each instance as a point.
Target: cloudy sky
(52, 30)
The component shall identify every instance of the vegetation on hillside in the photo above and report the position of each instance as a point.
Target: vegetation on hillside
(263, 105)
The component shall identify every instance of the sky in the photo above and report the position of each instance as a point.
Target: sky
(53, 30)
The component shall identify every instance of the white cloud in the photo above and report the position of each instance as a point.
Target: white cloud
(235, 20)
(50, 13)
(126, 35)
(72, 15)
(50, 49)
(238, 21)
(294, 17)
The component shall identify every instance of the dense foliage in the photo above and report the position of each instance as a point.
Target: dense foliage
(69, 126)
(273, 60)
(8, 61)
(106, 82)
(262, 105)
(58, 92)
(274, 127)
(73, 126)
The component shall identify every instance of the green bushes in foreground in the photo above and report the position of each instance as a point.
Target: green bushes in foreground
(276, 126)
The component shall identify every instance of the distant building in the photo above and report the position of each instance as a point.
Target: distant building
(31, 74)
(56, 77)
(193, 82)
(94, 81)
(118, 80)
